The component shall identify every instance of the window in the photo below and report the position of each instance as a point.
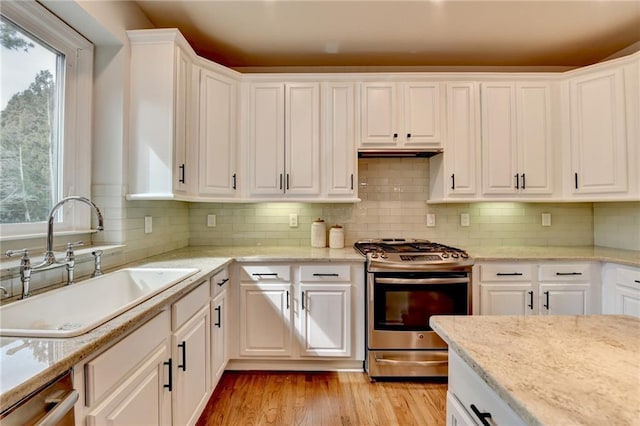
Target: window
(45, 119)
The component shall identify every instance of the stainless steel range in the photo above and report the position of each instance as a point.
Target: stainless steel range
(408, 281)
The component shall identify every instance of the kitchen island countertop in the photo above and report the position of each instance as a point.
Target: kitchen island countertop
(554, 370)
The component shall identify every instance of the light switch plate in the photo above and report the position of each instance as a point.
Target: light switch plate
(464, 219)
(293, 220)
(431, 220)
(546, 219)
(211, 220)
(148, 224)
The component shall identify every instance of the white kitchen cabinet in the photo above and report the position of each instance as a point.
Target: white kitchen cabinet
(516, 138)
(191, 355)
(400, 115)
(300, 312)
(284, 139)
(340, 167)
(470, 400)
(162, 146)
(265, 310)
(550, 288)
(620, 290)
(454, 173)
(218, 174)
(598, 132)
(219, 325)
(130, 383)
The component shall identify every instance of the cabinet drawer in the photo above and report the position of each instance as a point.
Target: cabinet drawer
(506, 272)
(186, 307)
(628, 276)
(467, 386)
(219, 282)
(277, 273)
(324, 273)
(565, 272)
(111, 367)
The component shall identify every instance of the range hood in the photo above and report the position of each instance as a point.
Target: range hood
(399, 153)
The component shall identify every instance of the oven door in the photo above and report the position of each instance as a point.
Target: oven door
(400, 305)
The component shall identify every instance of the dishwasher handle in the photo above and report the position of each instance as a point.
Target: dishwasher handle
(62, 407)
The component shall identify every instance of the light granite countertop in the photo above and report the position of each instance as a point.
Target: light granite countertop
(554, 370)
(26, 364)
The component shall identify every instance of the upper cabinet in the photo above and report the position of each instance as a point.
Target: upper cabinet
(162, 106)
(400, 115)
(284, 139)
(340, 163)
(603, 131)
(516, 138)
(218, 174)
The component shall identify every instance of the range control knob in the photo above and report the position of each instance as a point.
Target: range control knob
(445, 255)
(455, 255)
(464, 255)
(383, 255)
(374, 255)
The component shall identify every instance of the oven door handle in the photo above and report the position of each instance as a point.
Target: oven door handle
(409, 363)
(422, 281)
(63, 405)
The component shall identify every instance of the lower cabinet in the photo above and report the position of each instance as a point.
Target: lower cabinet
(300, 311)
(620, 290)
(470, 401)
(523, 288)
(157, 375)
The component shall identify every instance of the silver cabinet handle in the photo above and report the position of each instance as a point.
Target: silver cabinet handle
(62, 407)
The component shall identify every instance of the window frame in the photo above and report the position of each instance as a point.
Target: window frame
(76, 137)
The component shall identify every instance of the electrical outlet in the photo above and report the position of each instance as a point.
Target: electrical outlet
(293, 220)
(148, 224)
(464, 219)
(546, 219)
(211, 220)
(431, 220)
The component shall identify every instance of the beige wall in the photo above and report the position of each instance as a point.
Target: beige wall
(617, 225)
(394, 193)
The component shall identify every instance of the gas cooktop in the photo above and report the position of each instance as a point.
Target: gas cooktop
(400, 253)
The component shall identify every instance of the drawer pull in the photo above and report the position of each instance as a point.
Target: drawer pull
(221, 283)
(170, 384)
(303, 300)
(509, 274)
(326, 275)
(265, 274)
(530, 300)
(568, 273)
(183, 345)
(287, 299)
(481, 416)
(637, 281)
(381, 360)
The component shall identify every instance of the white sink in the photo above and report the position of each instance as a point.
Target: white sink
(76, 309)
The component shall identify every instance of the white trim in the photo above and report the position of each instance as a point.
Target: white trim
(76, 146)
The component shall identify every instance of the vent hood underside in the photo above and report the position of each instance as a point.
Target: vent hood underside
(399, 153)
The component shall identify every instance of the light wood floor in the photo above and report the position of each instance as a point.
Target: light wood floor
(322, 399)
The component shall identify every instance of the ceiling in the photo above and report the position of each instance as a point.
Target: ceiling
(418, 33)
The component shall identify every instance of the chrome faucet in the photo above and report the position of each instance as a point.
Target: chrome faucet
(49, 256)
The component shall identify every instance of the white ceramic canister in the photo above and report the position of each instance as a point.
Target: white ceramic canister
(336, 237)
(318, 233)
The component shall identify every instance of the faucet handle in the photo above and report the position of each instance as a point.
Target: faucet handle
(70, 247)
(25, 255)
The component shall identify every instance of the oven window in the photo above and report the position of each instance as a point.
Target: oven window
(409, 307)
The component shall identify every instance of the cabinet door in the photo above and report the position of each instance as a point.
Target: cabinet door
(507, 299)
(534, 138)
(498, 138)
(462, 138)
(265, 319)
(456, 414)
(191, 359)
(378, 115)
(218, 337)
(217, 169)
(598, 137)
(626, 300)
(266, 138)
(181, 116)
(326, 319)
(142, 399)
(559, 299)
(302, 138)
(421, 115)
(341, 163)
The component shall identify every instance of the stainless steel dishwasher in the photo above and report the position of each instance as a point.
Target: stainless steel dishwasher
(50, 405)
